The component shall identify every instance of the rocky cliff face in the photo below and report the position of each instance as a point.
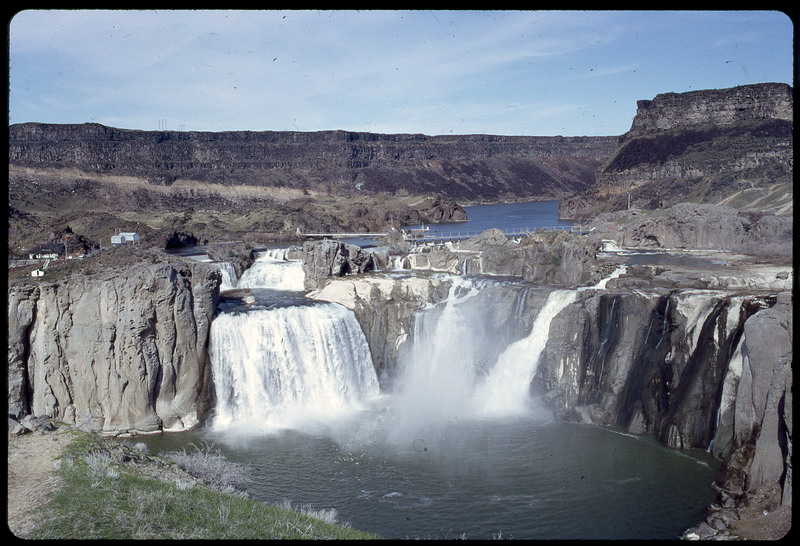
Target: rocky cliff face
(697, 226)
(114, 352)
(698, 369)
(715, 107)
(729, 146)
(459, 167)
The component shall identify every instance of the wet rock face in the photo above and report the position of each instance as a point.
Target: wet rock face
(114, 354)
(699, 369)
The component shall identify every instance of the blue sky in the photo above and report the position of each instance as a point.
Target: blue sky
(537, 73)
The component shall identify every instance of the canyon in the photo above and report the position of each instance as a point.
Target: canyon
(697, 356)
(690, 342)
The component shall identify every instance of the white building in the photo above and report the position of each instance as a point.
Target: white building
(125, 237)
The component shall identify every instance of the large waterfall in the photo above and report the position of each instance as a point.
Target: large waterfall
(287, 366)
(288, 361)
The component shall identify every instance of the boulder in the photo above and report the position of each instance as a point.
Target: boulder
(328, 258)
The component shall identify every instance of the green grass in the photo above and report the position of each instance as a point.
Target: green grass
(103, 499)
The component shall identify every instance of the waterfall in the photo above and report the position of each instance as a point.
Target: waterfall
(456, 370)
(289, 366)
(229, 278)
(505, 391)
(446, 352)
(271, 270)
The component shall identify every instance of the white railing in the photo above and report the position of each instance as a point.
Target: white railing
(459, 235)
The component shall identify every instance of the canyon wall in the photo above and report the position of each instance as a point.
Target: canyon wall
(699, 369)
(121, 351)
(721, 146)
(458, 167)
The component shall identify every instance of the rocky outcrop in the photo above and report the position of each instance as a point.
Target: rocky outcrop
(694, 226)
(114, 352)
(328, 258)
(732, 146)
(542, 257)
(754, 435)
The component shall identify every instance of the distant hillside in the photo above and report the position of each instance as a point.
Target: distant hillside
(470, 167)
(729, 146)
(263, 186)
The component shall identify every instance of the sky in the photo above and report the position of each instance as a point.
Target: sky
(540, 73)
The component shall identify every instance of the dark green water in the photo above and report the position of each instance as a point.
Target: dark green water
(520, 479)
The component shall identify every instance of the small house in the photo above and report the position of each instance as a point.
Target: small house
(125, 237)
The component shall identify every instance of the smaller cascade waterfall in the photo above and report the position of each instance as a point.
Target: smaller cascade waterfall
(229, 278)
(455, 369)
(271, 270)
(288, 366)
(505, 391)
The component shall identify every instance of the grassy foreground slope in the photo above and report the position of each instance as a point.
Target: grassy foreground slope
(110, 490)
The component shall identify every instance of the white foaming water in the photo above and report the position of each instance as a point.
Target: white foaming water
(505, 391)
(453, 372)
(289, 367)
(271, 270)
(229, 278)
(602, 284)
(440, 368)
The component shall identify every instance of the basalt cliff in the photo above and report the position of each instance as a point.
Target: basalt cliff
(120, 350)
(728, 146)
(468, 167)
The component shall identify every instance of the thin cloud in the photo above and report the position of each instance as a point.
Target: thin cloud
(380, 71)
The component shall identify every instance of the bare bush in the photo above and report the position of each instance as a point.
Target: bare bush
(99, 466)
(328, 515)
(209, 464)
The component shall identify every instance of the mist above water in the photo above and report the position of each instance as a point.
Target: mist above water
(308, 367)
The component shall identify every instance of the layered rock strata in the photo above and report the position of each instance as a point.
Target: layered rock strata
(731, 146)
(459, 167)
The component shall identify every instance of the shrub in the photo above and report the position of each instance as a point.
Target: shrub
(210, 465)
